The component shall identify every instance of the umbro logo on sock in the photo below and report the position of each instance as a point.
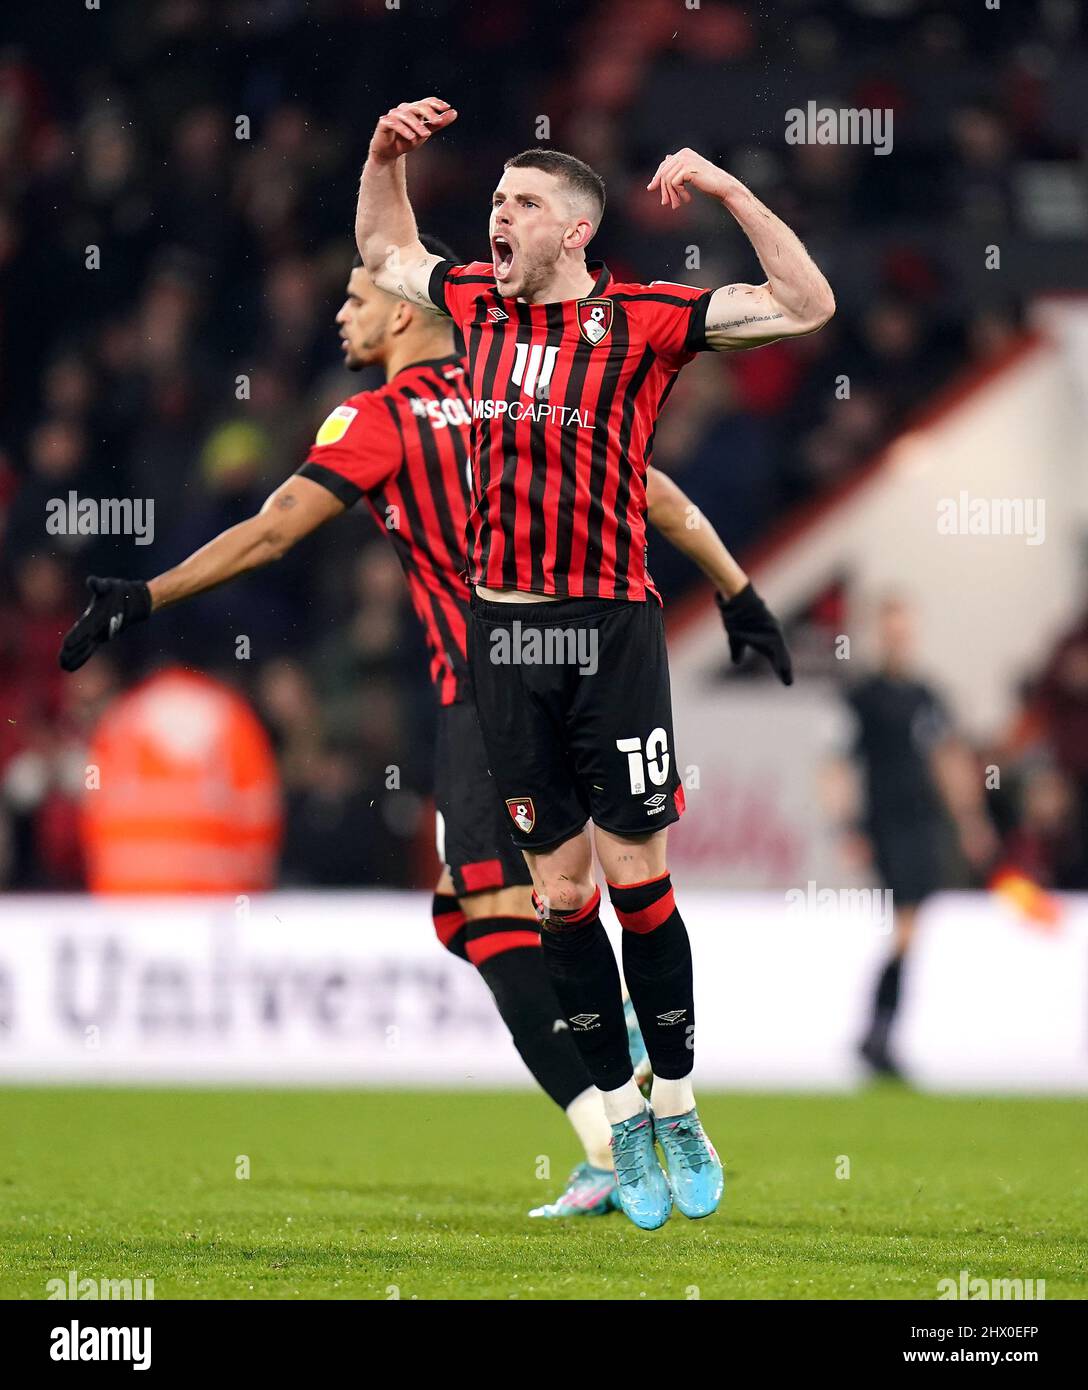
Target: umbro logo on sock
(673, 1016)
(583, 1022)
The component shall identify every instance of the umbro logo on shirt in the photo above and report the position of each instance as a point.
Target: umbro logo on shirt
(497, 315)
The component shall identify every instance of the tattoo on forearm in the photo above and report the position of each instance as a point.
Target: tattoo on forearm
(417, 296)
(286, 501)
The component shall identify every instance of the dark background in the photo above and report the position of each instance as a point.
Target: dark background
(223, 257)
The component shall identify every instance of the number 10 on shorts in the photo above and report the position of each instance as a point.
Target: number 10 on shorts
(654, 760)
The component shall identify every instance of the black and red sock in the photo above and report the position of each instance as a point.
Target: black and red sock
(449, 923)
(587, 981)
(657, 969)
(506, 951)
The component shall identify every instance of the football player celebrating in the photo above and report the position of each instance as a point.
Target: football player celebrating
(568, 372)
(404, 448)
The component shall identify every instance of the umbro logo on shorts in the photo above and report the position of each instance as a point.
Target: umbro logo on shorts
(673, 1016)
(583, 1022)
(656, 801)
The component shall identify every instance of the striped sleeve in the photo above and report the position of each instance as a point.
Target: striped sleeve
(673, 318)
(357, 448)
(453, 289)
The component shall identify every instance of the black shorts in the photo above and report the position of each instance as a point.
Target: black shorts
(909, 857)
(575, 708)
(471, 822)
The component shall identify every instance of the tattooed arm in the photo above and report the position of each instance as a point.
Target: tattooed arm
(385, 226)
(796, 298)
(296, 508)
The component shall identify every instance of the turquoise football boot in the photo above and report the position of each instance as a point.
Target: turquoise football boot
(640, 1058)
(695, 1170)
(590, 1192)
(643, 1187)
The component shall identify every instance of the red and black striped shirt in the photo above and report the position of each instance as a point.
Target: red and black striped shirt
(565, 399)
(405, 447)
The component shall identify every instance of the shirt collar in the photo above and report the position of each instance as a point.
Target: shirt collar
(450, 359)
(601, 277)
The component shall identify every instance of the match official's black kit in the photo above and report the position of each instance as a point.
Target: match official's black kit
(900, 723)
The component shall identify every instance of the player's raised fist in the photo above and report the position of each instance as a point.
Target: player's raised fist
(408, 126)
(687, 167)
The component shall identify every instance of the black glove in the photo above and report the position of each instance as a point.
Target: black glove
(115, 604)
(750, 623)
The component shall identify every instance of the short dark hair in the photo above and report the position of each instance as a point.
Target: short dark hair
(585, 182)
(430, 243)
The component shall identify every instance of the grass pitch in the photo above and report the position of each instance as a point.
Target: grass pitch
(423, 1195)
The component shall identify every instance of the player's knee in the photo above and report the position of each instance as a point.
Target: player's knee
(575, 905)
(513, 901)
(449, 923)
(632, 859)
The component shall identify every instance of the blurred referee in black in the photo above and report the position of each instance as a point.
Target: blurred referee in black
(921, 792)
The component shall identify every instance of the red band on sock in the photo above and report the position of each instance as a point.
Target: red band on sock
(448, 924)
(484, 947)
(648, 918)
(586, 912)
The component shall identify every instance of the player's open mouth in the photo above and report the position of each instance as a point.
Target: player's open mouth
(503, 256)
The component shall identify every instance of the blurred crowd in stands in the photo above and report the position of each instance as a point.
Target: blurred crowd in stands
(177, 184)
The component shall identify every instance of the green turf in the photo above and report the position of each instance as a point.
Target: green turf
(353, 1192)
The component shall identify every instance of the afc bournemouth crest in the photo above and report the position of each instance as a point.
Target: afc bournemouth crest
(594, 319)
(523, 812)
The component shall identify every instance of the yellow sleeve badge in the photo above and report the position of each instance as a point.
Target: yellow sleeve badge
(336, 425)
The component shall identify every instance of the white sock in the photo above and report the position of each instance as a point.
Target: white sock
(587, 1117)
(624, 1103)
(670, 1098)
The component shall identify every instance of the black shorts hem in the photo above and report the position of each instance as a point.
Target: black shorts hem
(552, 841)
(637, 832)
(508, 875)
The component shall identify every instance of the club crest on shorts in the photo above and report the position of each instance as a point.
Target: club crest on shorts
(594, 319)
(523, 811)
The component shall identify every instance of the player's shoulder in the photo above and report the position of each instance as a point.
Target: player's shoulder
(656, 291)
(434, 373)
(356, 417)
(420, 388)
(471, 270)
